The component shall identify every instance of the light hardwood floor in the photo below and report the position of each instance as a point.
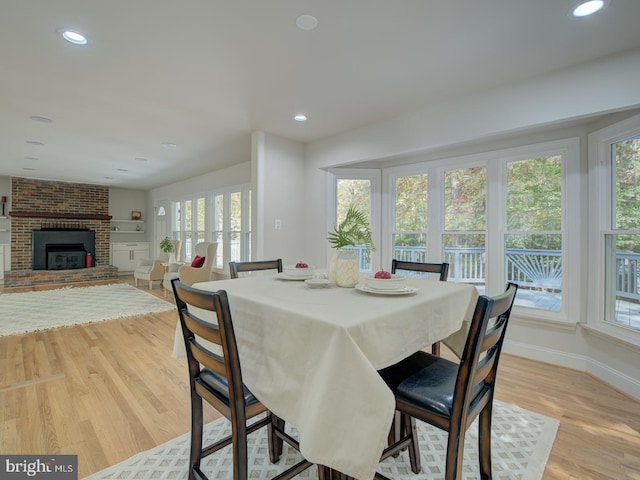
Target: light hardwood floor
(108, 390)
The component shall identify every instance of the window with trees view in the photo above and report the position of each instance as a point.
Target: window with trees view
(533, 239)
(409, 236)
(358, 188)
(465, 221)
(622, 245)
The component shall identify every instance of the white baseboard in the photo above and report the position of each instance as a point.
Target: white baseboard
(615, 378)
(555, 357)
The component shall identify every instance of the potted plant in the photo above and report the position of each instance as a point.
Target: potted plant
(353, 230)
(166, 245)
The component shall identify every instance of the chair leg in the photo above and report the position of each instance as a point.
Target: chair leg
(196, 435)
(409, 429)
(275, 442)
(239, 447)
(455, 452)
(484, 441)
(435, 349)
(150, 284)
(136, 280)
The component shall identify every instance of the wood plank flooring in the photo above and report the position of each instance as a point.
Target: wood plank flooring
(108, 390)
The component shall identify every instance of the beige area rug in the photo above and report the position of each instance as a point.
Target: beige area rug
(32, 311)
(521, 444)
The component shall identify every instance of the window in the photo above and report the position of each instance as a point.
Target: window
(231, 225)
(463, 239)
(498, 216)
(189, 225)
(359, 189)
(615, 176)
(409, 235)
(533, 239)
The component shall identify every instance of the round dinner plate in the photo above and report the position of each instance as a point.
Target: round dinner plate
(299, 278)
(406, 290)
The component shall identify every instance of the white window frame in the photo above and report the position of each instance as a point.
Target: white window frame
(194, 202)
(495, 163)
(245, 221)
(374, 176)
(600, 209)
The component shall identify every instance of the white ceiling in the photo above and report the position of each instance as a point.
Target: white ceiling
(204, 74)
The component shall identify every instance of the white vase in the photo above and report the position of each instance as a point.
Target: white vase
(347, 271)
(172, 257)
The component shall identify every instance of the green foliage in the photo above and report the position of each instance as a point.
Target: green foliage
(353, 230)
(165, 245)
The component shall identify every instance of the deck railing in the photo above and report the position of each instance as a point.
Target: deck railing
(527, 267)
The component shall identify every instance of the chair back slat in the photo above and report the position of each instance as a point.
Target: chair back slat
(238, 267)
(208, 331)
(441, 269)
(208, 359)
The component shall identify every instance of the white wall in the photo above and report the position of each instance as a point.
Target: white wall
(528, 111)
(280, 191)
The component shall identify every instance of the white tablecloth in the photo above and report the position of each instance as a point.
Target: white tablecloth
(312, 355)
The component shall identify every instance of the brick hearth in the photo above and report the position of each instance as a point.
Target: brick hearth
(27, 278)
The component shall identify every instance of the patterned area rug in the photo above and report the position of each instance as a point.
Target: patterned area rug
(32, 311)
(521, 443)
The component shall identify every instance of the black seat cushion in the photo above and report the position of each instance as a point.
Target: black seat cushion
(219, 386)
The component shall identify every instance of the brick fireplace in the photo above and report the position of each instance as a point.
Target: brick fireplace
(38, 204)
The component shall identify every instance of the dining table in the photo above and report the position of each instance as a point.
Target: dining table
(312, 355)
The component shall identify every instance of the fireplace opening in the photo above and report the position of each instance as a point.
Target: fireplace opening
(65, 257)
(61, 249)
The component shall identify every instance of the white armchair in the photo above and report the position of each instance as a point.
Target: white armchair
(153, 270)
(190, 275)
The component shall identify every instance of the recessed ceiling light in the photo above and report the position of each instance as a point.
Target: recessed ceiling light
(306, 22)
(31, 158)
(585, 8)
(300, 118)
(108, 178)
(35, 142)
(122, 170)
(140, 159)
(28, 168)
(36, 118)
(168, 145)
(73, 37)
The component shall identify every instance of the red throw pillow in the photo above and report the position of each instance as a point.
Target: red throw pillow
(197, 262)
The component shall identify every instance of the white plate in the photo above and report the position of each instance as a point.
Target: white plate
(318, 282)
(406, 290)
(299, 278)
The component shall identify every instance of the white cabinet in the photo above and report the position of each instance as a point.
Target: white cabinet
(126, 256)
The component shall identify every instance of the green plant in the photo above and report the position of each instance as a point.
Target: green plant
(353, 230)
(165, 245)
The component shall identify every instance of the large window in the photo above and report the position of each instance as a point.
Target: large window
(465, 223)
(499, 216)
(189, 224)
(533, 239)
(409, 235)
(231, 225)
(615, 178)
(359, 189)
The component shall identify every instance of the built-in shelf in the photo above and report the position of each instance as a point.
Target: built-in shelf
(127, 226)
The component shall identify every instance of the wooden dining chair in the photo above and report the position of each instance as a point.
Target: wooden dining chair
(441, 269)
(238, 267)
(217, 378)
(449, 395)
